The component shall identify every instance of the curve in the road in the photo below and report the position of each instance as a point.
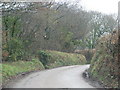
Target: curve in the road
(63, 77)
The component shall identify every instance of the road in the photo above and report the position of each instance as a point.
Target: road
(62, 77)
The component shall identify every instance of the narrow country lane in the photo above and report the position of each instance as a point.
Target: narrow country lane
(62, 77)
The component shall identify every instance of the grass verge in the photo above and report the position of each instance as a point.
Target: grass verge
(48, 59)
(11, 69)
(52, 59)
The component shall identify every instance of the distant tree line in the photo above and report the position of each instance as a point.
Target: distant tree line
(29, 27)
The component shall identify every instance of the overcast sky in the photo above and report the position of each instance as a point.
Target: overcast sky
(104, 6)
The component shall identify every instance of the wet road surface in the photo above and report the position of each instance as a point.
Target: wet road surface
(62, 77)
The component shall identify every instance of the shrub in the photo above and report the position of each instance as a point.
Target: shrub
(88, 53)
(15, 50)
(43, 57)
(52, 59)
(104, 65)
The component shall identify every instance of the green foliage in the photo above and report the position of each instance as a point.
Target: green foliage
(43, 57)
(104, 64)
(52, 59)
(13, 44)
(88, 53)
(12, 24)
(68, 42)
(16, 49)
(10, 69)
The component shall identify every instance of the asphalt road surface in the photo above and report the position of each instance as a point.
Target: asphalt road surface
(62, 77)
